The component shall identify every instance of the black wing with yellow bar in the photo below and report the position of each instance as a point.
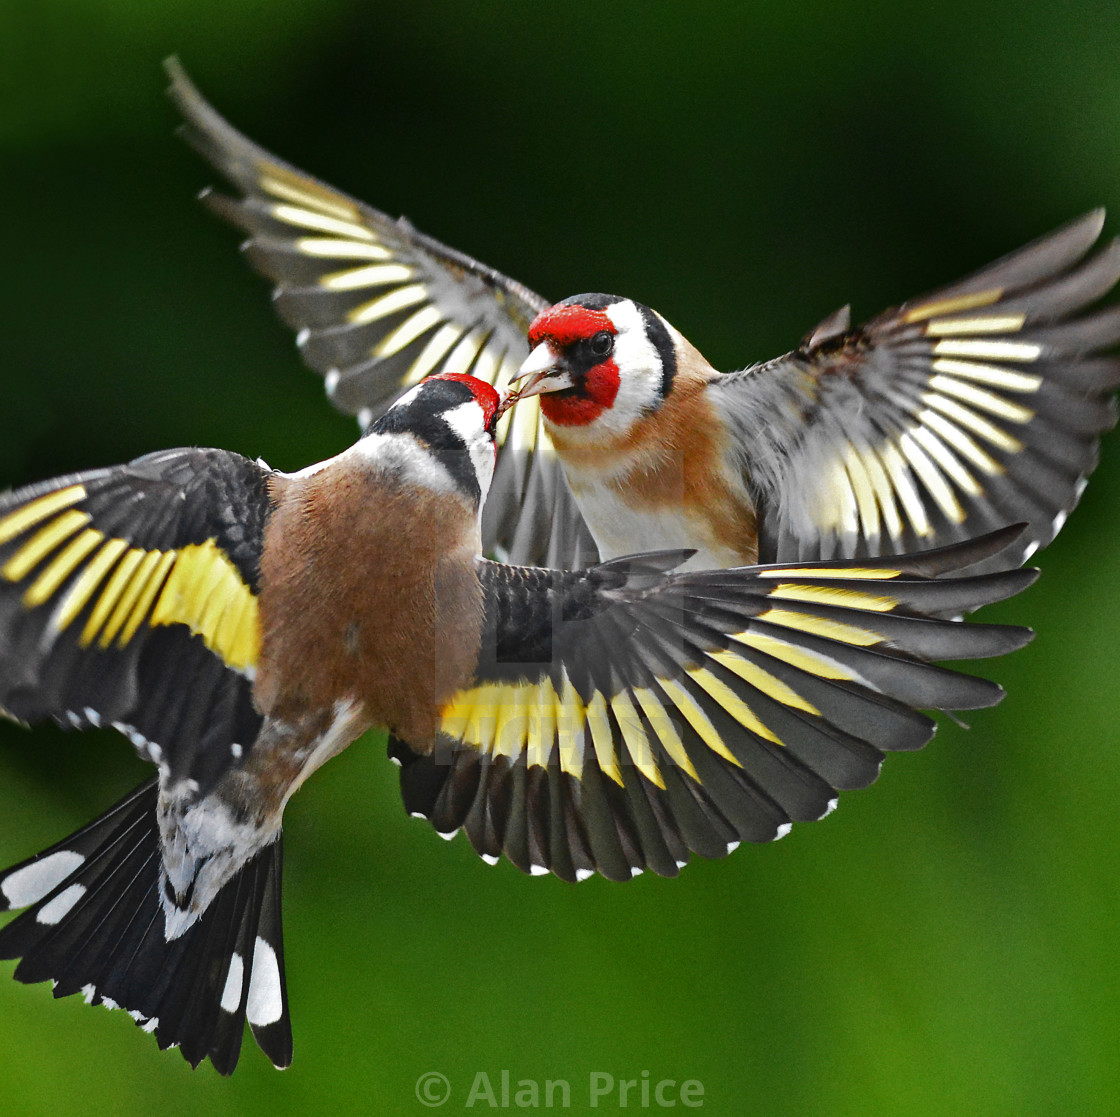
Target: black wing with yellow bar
(128, 597)
(626, 716)
(378, 306)
(978, 405)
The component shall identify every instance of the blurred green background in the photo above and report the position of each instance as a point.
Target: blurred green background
(946, 942)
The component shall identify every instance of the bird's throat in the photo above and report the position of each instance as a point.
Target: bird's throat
(583, 403)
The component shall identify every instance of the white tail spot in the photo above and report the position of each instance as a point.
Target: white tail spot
(53, 912)
(235, 979)
(266, 998)
(31, 883)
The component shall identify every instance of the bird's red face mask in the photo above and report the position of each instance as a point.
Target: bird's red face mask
(571, 365)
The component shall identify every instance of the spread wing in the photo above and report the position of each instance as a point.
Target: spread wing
(623, 717)
(128, 597)
(977, 406)
(378, 306)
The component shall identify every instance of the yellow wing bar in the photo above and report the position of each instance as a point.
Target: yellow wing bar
(645, 726)
(66, 561)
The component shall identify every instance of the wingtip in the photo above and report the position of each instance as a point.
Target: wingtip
(1095, 217)
(1008, 534)
(648, 562)
(275, 1041)
(982, 694)
(1011, 581)
(1083, 229)
(180, 85)
(838, 323)
(1080, 234)
(989, 548)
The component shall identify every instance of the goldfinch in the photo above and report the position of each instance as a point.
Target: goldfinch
(241, 626)
(971, 408)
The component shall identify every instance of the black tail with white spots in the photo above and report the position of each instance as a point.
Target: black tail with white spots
(95, 925)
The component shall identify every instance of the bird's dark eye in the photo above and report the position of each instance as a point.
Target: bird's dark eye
(602, 344)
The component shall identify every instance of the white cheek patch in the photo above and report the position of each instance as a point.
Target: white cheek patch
(469, 422)
(639, 366)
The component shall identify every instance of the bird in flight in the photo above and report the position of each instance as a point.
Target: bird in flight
(971, 408)
(241, 626)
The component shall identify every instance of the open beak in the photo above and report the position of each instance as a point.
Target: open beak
(543, 371)
(505, 402)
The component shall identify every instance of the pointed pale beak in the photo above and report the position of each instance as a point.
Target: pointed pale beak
(543, 371)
